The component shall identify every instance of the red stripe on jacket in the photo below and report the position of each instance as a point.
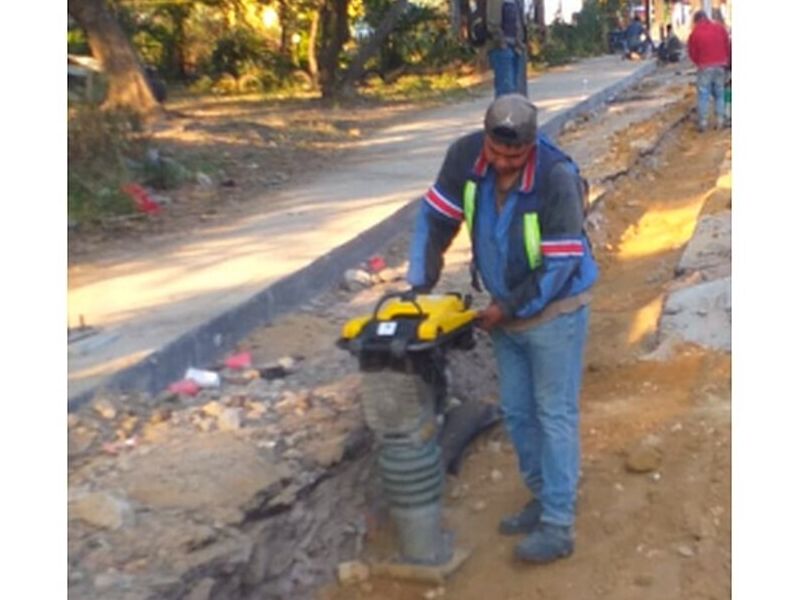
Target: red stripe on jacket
(440, 203)
(562, 248)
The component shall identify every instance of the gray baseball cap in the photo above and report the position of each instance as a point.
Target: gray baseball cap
(511, 119)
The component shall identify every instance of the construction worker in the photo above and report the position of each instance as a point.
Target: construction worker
(709, 49)
(522, 200)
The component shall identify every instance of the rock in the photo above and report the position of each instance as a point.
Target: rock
(204, 180)
(156, 432)
(230, 419)
(72, 420)
(478, 506)
(213, 409)
(496, 447)
(328, 452)
(644, 456)
(205, 424)
(434, 593)
(287, 362)
(294, 403)
(643, 580)
(80, 440)
(160, 415)
(357, 279)
(102, 510)
(129, 423)
(496, 475)
(105, 409)
(256, 410)
(352, 572)
(685, 550)
(110, 579)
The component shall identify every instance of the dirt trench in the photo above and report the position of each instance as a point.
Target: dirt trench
(259, 489)
(661, 534)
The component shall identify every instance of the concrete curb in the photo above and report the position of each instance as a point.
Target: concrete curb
(206, 343)
(554, 125)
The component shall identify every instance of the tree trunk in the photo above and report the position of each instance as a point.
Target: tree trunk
(335, 32)
(313, 33)
(539, 21)
(455, 18)
(373, 44)
(127, 86)
(283, 18)
(178, 14)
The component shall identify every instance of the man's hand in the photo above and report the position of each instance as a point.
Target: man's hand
(490, 317)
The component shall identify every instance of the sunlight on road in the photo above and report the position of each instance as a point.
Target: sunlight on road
(110, 366)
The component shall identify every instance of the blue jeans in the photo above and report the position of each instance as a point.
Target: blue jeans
(510, 74)
(540, 379)
(710, 82)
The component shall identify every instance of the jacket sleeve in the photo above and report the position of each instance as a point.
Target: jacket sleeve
(563, 245)
(438, 220)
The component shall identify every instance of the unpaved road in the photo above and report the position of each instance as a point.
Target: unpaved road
(659, 535)
(180, 515)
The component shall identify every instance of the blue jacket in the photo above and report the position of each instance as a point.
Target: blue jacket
(550, 187)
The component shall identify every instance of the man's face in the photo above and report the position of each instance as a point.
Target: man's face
(505, 158)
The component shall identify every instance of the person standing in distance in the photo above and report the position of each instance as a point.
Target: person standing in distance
(709, 49)
(522, 200)
(508, 46)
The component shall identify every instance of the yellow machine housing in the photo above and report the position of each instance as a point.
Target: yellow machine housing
(410, 322)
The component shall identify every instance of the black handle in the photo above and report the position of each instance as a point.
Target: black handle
(407, 296)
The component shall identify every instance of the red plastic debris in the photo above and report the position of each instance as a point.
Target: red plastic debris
(184, 386)
(376, 264)
(243, 360)
(144, 203)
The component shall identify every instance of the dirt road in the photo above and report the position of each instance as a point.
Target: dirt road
(660, 534)
(257, 490)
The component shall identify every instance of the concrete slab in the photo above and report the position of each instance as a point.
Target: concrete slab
(700, 314)
(168, 310)
(709, 250)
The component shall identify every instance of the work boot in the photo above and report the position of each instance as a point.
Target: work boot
(524, 521)
(547, 543)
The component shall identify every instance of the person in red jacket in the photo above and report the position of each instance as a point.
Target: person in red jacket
(709, 49)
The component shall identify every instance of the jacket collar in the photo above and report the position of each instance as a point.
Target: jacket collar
(481, 168)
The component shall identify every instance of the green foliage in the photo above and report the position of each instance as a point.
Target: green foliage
(586, 37)
(100, 146)
(421, 37)
(419, 88)
(77, 42)
(161, 174)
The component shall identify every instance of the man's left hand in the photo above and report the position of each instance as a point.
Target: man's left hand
(490, 317)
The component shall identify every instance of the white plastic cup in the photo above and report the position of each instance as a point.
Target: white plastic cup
(205, 379)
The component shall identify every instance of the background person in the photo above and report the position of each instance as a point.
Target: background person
(709, 49)
(508, 46)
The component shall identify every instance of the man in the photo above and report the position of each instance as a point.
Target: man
(508, 46)
(670, 49)
(710, 50)
(522, 200)
(634, 34)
